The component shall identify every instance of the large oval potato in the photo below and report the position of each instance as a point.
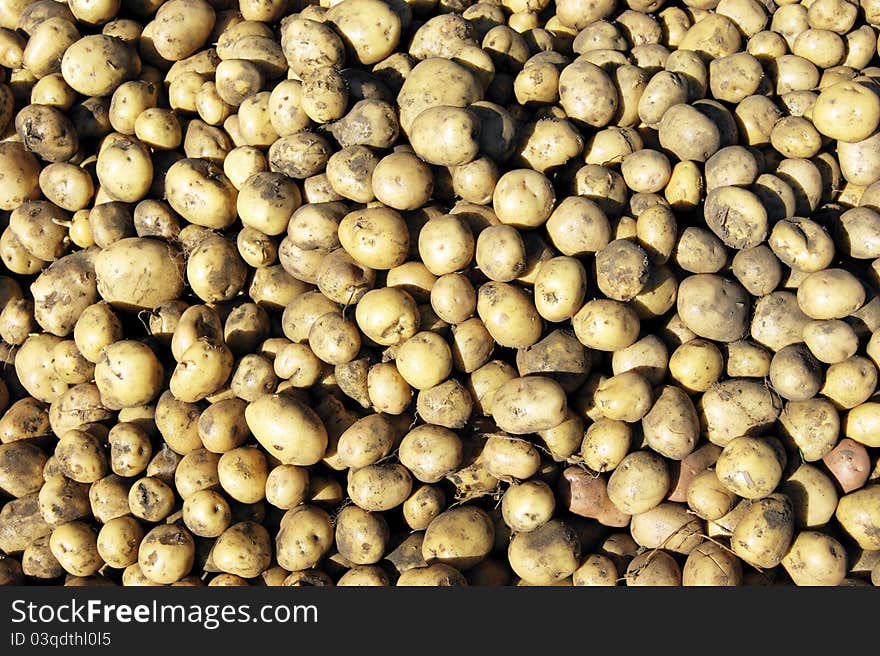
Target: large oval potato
(287, 428)
(528, 405)
(123, 268)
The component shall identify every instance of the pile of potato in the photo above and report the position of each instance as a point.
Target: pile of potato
(440, 292)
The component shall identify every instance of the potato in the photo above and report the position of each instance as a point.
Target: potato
(534, 147)
(446, 244)
(527, 506)
(266, 200)
(700, 251)
(128, 374)
(446, 135)
(530, 404)
(170, 39)
(585, 494)
(625, 397)
(306, 534)
(23, 175)
(736, 215)
(621, 270)
(711, 564)
(764, 533)
(668, 526)
(33, 367)
(689, 133)
(434, 82)
(858, 516)
(244, 549)
(122, 266)
(130, 449)
(166, 554)
(201, 193)
(424, 360)
(367, 45)
(287, 486)
(850, 383)
(708, 497)
(795, 374)
(21, 468)
(578, 226)
(802, 244)
(818, 302)
(846, 111)
(436, 575)
(460, 537)
(423, 505)
(757, 408)
(778, 321)
(287, 428)
(361, 536)
(118, 541)
(206, 513)
(431, 452)
(242, 473)
(713, 307)
(366, 441)
(308, 44)
(402, 181)
(448, 404)
(606, 325)
(858, 162)
(671, 426)
(581, 85)
(696, 365)
(60, 500)
(379, 487)
(80, 456)
(202, 369)
(858, 424)
(815, 559)
(25, 419)
(813, 496)
(96, 64)
(150, 499)
(653, 568)
(640, 482)
(66, 185)
(546, 555)
(376, 238)
(813, 425)
(497, 302)
(74, 546)
(510, 458)
(751, 467)
(523, 198)
(47, 132)
(596, 570)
